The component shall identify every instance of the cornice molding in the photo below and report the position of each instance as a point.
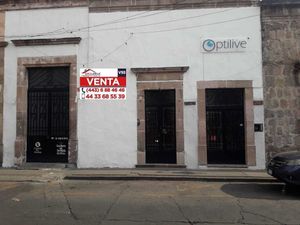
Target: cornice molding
(3, 44)
(129, 5)
(46, 41)
(275, 3)
(124, 5)
(180, 69)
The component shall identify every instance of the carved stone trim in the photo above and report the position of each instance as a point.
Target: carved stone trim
(157, 70)
(156, 81)
(280, 3)
(124, 5)
(250, 149)
(41, 4)
(46, 41)
(129, 5)
(3, 44)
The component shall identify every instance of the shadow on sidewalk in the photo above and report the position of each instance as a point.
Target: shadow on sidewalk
(270, 191)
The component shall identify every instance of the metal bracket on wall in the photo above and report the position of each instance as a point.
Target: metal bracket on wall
(258, 127)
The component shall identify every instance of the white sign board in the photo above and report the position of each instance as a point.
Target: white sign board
(103, 84)
(216, 45)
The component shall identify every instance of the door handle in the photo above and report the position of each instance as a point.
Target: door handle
(156, 140)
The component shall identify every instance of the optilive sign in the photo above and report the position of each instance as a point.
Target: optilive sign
(103, 84)
(211, 45)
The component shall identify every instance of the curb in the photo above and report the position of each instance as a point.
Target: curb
(170, 178)
(23, 181)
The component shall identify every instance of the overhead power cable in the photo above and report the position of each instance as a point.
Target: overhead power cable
(163, 22)
(195, 26)
(166, 30)
(125, 43)
(127, 18)
(133, 17)
(117, 48)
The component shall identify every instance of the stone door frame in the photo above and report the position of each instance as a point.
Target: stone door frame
(166, 78)
(250, 149)
(21, 114)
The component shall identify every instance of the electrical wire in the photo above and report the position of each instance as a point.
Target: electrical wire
(167, 30)
(195, 26)
(142, 15)
(163, 22)
(176, 20)
(117, 48)
(125, 43)
(133, 17)
(127, 18)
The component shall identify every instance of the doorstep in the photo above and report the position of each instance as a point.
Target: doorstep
(170, 174)
(37, 166)
(34, 173)
(159, 165)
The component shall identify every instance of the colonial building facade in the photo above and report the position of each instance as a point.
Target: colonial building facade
(195, 94)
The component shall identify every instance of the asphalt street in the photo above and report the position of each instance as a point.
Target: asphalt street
(64, 202)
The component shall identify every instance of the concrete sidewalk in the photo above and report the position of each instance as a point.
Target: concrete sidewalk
(51, 174)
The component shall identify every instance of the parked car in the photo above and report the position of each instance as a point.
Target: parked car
(285, 167)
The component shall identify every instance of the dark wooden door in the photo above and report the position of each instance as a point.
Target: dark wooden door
(160, 126)
(48, 114)
(225, 126)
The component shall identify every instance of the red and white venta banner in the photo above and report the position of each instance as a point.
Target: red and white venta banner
(103, 84)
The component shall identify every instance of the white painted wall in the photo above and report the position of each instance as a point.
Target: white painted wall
(259, 138)
(107, 131)
(20, 24)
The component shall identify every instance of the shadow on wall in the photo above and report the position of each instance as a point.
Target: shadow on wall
(269, 191)
(297, 73)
